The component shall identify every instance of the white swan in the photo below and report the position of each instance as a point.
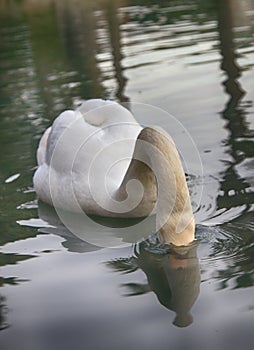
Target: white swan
(98, 156)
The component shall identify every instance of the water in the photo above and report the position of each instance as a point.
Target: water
(193, 59)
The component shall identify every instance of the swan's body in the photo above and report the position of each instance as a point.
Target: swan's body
(91, 157)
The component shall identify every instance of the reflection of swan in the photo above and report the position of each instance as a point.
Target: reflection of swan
(102, 141)
(173, 277)
(52, 224)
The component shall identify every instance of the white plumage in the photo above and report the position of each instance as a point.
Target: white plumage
(96, 140)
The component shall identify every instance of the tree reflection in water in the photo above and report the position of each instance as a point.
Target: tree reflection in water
(240, 140)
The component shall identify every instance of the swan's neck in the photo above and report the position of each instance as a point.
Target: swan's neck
(157, 165)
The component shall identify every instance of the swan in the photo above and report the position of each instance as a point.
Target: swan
(100, 157)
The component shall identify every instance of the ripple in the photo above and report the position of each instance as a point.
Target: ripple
(226, 253)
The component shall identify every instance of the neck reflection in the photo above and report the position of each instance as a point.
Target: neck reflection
(173, 277)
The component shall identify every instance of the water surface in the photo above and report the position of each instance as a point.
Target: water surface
(192, 59)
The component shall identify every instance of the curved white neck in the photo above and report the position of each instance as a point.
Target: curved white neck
(157, 165)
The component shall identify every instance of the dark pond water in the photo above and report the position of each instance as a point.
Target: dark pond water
(195, 60)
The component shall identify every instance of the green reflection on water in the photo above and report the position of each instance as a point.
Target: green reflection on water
(53, 54)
